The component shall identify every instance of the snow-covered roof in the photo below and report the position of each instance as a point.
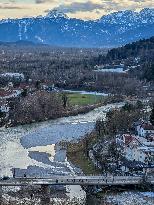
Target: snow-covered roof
(111, 70)
(17, 75)
(9, 94)
(146, 149)
(148, 127)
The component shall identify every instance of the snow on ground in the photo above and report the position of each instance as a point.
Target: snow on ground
(132, 198)
(49, 149)
(112, 70)
(17, 75)
(83, 92)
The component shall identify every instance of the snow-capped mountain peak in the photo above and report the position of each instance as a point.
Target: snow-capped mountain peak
(56, 28)
(128, 16)
(55, 14)
(119, 17)
(147, 11)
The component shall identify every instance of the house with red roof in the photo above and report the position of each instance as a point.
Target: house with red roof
(125, 139)
(135, 149)
(7, 94)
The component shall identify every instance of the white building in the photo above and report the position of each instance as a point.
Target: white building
(136, 148)
(131, 150)
(4, 95)
(146, 154)
(4, 108)
(145, 129)
(13, 75)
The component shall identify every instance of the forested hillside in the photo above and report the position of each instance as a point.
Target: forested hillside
(143, 49)
(138, 56)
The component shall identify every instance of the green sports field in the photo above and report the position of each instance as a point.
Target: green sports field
(84, 99)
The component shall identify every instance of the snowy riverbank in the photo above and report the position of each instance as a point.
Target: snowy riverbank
(32, 146)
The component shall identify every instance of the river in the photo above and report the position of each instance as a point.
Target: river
(32, 147)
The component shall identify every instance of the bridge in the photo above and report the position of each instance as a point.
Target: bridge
(77, 180)
(46, 182)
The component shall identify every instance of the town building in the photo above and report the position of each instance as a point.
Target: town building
(136, 148)
(145, 129)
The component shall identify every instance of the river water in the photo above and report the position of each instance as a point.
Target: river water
(32, 147)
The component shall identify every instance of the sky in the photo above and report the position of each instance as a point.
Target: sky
(84, 9)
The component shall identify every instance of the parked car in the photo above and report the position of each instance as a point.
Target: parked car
(5, 178)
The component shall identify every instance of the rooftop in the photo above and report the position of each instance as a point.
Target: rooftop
(129, 138)
(148, 126)
(6, 94)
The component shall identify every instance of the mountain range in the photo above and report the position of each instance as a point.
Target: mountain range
(57, 29)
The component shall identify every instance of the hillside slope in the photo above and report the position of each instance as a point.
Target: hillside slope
(137, 56)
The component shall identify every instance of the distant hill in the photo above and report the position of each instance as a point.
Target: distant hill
(143, 48)
(24, 43)
(57, 29)
(19, 43)
(140, 54)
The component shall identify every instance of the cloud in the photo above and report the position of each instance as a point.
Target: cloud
(101, 6)
(10, 7)
(78, 7)
(40, 1)
(85, 9)
(45, 1)
(118, 5)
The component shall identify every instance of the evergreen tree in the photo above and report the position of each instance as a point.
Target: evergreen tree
(24, 93)
(1, 114)
(152, 116)
(64, 100)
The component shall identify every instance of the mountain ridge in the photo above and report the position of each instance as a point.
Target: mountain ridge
(56, 28)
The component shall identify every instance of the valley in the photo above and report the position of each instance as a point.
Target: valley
(77, 101)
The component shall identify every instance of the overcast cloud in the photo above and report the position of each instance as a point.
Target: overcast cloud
(90, 9)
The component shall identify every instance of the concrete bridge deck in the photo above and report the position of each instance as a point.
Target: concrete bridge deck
(78, 180)
(71, 180)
